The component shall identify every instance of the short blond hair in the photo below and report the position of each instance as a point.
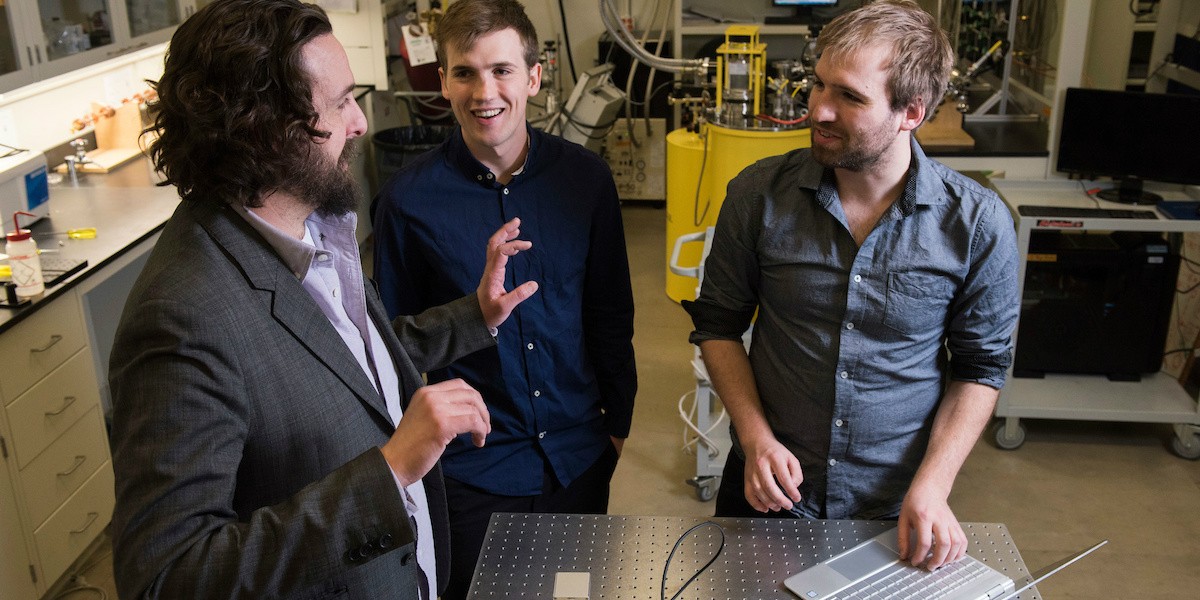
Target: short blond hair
(921, 53)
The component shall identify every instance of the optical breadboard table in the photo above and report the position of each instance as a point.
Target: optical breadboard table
(624, 555)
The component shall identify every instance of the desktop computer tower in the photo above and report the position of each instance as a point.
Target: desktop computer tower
(1095, 303)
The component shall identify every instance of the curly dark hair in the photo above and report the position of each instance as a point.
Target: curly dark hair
(235, 105)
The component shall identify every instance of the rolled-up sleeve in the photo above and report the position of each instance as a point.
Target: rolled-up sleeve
(729, 293)
(984, 313)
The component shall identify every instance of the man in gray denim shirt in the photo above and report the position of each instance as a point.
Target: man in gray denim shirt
(886, 292)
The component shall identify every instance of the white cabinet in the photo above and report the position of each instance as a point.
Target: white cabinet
(56, 481)
(43, 38)
(15, 567)
(1156, 398)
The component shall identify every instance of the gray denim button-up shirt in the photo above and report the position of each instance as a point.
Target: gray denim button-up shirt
(852, 345)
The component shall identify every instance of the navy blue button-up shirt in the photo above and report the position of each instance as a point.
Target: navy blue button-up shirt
(561, 378)
(852, 345)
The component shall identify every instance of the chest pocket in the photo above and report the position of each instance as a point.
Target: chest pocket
(916, 301)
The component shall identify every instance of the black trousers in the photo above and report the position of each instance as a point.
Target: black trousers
(471, 509)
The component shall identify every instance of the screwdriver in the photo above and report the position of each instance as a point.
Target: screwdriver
(83, 233)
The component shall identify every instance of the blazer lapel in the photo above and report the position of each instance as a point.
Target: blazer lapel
(291, 305)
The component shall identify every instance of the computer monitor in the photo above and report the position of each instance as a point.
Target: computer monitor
(1131, 137)
(803, 12)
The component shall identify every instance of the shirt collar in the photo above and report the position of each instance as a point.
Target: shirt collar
(296, 254)
(923, 187)
(461, 156)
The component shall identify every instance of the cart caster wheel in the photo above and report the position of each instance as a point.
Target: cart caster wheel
(1189, 449)
(1009, 443)
(706, 487)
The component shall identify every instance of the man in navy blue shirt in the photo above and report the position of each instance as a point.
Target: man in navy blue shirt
(560, 383)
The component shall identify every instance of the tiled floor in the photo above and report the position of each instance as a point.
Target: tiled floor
(1072, 483)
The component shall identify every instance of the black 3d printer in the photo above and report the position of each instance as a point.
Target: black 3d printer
(1100, 302)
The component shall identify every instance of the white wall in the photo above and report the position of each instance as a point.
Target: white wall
(40, 114)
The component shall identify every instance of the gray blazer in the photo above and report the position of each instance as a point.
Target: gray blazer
(245, 434)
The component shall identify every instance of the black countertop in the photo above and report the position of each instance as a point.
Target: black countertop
(1012, 139)
(125, 207)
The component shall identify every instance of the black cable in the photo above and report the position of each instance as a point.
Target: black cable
(567, 41)
(580, 125)
(697, 216)
(678, 542)
(1087, 193)
(1188, 290)
(12, 150)
(653, 92)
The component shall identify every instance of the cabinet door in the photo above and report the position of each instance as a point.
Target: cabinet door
(15, 578)
(16, 53)
(150, 16)
(75, 33)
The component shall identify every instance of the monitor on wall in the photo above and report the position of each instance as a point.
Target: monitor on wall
(1131, 137)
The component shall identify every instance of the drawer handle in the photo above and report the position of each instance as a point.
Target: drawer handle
(67, 402)
(92, 516)
(79, 460)
(54, 339)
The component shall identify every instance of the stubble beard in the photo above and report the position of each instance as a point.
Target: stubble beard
(856, 158)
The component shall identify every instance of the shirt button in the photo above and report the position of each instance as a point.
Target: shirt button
(857, 278)
(529, 346)
(541, 435)
(323, 257)
(849, 325)
(838, 422)
(844, 374)
(832, 462)
(505, 191)
(489, 176)
(537, 393)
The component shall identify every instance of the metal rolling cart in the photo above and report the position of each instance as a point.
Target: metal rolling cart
(1157, 398)
(702, 430)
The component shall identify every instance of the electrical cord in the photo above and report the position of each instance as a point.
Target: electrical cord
(700, 437)
(653, 92)
(678, 542)
(567, 41)
(697, 216)
(1090, 193)
(12, 150)
(79, 584)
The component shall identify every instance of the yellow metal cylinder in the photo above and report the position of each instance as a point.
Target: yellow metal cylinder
(707, 163)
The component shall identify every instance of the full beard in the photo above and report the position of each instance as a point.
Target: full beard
(328, 185)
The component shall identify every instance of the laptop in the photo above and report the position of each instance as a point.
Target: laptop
(874, 569)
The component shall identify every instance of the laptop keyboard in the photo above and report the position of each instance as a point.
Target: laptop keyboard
(1070, 212)
(901, 581)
